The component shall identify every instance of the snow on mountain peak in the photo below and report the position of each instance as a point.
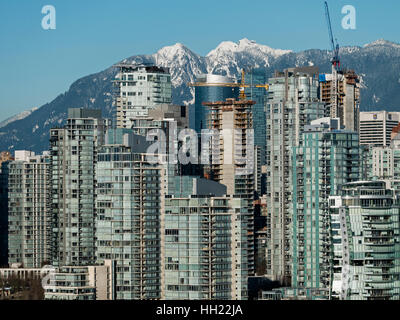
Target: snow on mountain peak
(224, 58)
(176, 57)
(245, 45)
(175, 50)
(382, 42)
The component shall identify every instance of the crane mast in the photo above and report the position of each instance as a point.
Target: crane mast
(335, 66)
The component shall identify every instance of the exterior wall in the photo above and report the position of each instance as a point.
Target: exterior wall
(73, 160)
(259, 95)
(233, 162)
(376, 127)
(231, 120)
(129, 206)
(292, 103)
(198, 112)
(29, 219)
(23, 273)
(385, 165)
(366, 258)
(206, 240)
(140, 89)
(325, 161)
(348, 101)
(80, 283)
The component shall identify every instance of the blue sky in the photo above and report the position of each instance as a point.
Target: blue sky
(37, 65)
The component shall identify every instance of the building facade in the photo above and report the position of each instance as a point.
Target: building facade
(292, 103)
(232, 158)
(253, 78)
(365, 235)
(347, 108)
(376, 127)
(81, 283)
(73, 153)
(140, 88)
(205, 249)
(129, 222)
(29, 210)
(328, 158)
(209, 88)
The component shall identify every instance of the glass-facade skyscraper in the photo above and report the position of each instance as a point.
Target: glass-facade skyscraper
(293, 102)
(259, 95)
(73, 154)
(129, 199)
(29, 219)
(140, 88)
(327, 159)
(206, 247)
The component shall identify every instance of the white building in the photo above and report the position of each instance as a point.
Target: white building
(140, 88)
(376, 127)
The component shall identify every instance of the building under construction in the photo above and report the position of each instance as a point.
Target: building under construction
(233, 120)
(347, 105)
(232, 156)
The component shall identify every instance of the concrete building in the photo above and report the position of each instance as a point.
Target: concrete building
(232, 157)
(347, 108)
(81, 283)
(140, 88)
(384, 164)
(232, 154)
(365, 234)
(209, 88)
(162, 113)
(328, 158)
(29, 210)
(205, 248)
(73, 160)
(292, 103)
(129, 222)
(376, 127)
(24, 273)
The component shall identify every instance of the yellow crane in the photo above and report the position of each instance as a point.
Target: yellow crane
(241, 85)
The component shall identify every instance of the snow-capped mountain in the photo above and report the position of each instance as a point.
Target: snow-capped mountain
(378, 64)
(19, 116)
(228, 57)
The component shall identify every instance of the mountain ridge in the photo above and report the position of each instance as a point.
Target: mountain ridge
(377, 64)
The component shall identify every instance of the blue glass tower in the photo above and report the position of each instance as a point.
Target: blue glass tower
(207, 90)
(259, 95)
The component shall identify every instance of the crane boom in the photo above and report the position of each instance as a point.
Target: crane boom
(328, 21)
(335, 65)
(335, 48)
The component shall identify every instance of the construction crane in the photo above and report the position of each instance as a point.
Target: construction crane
(242, 85)
(335, 48)
(335, 66)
